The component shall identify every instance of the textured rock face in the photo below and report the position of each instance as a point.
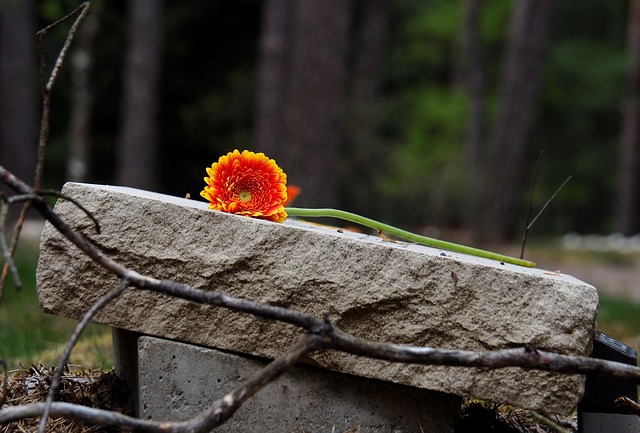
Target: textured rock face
(375, 289)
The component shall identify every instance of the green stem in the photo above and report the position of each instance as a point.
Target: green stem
(423, 240)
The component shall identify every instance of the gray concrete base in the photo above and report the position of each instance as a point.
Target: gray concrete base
(177, 381)
(591, 422)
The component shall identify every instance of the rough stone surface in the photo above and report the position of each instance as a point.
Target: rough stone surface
(178, 381)
(376, 289)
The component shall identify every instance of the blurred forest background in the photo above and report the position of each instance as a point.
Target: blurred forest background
(414, 112)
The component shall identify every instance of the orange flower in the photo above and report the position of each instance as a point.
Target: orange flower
(247, 183)
(293, 191)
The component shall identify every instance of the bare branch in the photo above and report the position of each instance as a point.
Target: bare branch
(225, 407)
(6, 252)
(549, 201)
(221, 299)
(530, 205)
(629, 404)
(46, 192)
(84, 11)
(5, 382)
(47, 86)
(524, 357)
(85, 414)
(527, 358)
(334, 338)
(220, 411)
(55, 379)
(322, 336)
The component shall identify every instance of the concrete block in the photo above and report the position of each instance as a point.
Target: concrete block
(380, 290)
(178, 381)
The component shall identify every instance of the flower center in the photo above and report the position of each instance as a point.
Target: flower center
(244, 196)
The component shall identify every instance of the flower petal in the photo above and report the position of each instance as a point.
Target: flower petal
(247, 183)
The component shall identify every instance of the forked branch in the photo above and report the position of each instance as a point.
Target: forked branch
(321, 334)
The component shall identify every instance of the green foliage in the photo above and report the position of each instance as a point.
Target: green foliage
(579, 120)
(577, 123)
(209, 89)
(425, 175)
(614, 310)
(425, 116)
(620, 318)
(52, 10)
(422, 44)
(429, 33)
(494, 22)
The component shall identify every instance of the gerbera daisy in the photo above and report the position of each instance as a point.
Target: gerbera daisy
(247, 183)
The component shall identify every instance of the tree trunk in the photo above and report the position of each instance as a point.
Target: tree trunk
(137, 144)
(519, 90)
(365, 153)
(474, 85)
(274, 46)
(314, 112)
(474, 82)
(18, 100)
(628, 155)
(81, 97)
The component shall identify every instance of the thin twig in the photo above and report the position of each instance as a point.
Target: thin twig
(527, 358)
(84, 11)
(75, 202)
(10, 263)
(225, 407)
(83, 413)
(46, 192)
(331, 338)
(55, 379)
(47, 86)
(530, 206)
(519, 357)
(8, 257)
(323, 335)
(219, 411)
(633, 406)
(5, 382)
(549, 201)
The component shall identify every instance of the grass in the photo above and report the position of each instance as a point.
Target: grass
(29, 336)
(620, 319)
(615, 311)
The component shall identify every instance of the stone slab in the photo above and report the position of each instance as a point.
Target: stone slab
(376, 289)
(178, 381)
